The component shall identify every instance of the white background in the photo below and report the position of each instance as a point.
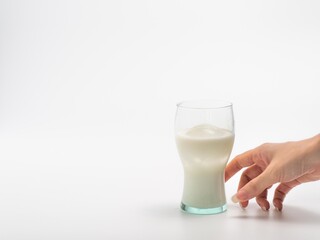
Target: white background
(87, 102)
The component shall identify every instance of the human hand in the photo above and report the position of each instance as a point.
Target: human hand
(290, 164)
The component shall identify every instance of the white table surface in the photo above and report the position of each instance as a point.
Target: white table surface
(92, 188)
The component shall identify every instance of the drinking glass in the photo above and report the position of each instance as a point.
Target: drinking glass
(204, 132)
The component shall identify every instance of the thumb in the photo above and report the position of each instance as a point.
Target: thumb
(254, 187)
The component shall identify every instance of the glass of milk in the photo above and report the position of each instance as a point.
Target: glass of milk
(204, 132)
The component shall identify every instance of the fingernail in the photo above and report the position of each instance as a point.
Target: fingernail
(264, 209)
(242, 207)
(234, 198)
(278, 209)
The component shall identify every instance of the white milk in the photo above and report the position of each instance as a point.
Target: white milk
(204, 151)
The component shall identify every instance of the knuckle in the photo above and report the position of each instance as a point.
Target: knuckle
(255, 189)
(264, 146)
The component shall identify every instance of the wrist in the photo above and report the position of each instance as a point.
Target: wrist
(315, 149)
(318, 140)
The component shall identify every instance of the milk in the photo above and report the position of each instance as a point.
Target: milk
(204, 151)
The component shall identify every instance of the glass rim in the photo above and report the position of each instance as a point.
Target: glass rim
(204, 104)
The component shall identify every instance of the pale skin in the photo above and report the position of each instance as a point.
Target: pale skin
(288, 164)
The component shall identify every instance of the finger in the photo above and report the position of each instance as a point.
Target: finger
(247, 175)
(254, 187)
(262, 201)
(282, 191)
(269, 187)
(239, 162)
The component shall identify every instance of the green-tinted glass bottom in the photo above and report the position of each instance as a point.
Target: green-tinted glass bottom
(203, 211)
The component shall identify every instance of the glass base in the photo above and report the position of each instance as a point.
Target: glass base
(203, 211)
